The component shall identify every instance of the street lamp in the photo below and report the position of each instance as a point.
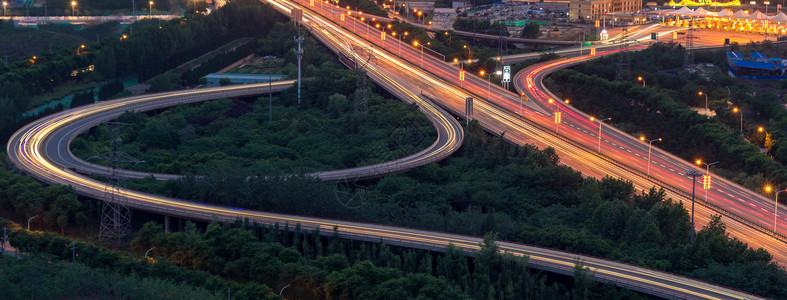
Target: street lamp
(150, 10)
(398, 45)
(736, 110)
(650, 145)
(28, 221)
(706, 100)
(693, 174)
(282, 289)
(422, 52)
(707, 173)
(641, 79)
(489, 87)
(775, 205)
(600, 122)
(73, 4)
(146, 252)
(766, 143)
(557, 115)
(5, 3)
(461, 72)
(80, 47)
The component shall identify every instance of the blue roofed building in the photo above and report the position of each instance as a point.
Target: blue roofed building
(755, 69)
(759, 57)
(734, 56)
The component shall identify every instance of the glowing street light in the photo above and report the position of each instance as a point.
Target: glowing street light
(767, 143)
(422, 52)
(150, 10)
(489, 78)
(641, 79)
(775, 205)
(5, 3)
(701, 94)
(558, 117)
(600, 122)
(736, 110)
(650, 145)
(706, 180)
(73, 4)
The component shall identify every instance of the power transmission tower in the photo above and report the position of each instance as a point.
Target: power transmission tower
(115, 215)
(299, 52)
(623, 72)
(688, 58)
(297, 17)
(361, 86)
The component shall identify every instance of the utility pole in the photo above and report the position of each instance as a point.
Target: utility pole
(270, 91)
(299, 52)
(4, 239)
(73, 251)
(297, 16)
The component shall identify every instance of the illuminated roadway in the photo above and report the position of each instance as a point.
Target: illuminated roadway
(56, 145)
(25, 150)
(748, 215)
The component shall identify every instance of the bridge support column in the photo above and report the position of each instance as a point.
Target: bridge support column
(166, 223)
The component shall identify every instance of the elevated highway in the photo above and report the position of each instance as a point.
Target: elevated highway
(401, 75)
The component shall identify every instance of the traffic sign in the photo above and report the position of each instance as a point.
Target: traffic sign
(507, 74)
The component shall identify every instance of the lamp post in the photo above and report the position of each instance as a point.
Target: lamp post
(693, 174)
(73, 4)
(461, 72)
(775, 205)
(28, 221)
(415, 43)
(600, 122)
(706, 100)
(146, 252)
(736, 110)
(707, 172)
(489, 87)
(557, 115)
(270, 90)
(5, 3)
(776, 209)
(766, 142)
(282, 289)
(650, 146)
(150, 10)
(399, 45)
(641, 79)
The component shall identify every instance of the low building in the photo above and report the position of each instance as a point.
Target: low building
(758, 57)
(234, 78)
(760, 67)
(591, 10)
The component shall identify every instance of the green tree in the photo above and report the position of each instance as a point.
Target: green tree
(532, 30)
